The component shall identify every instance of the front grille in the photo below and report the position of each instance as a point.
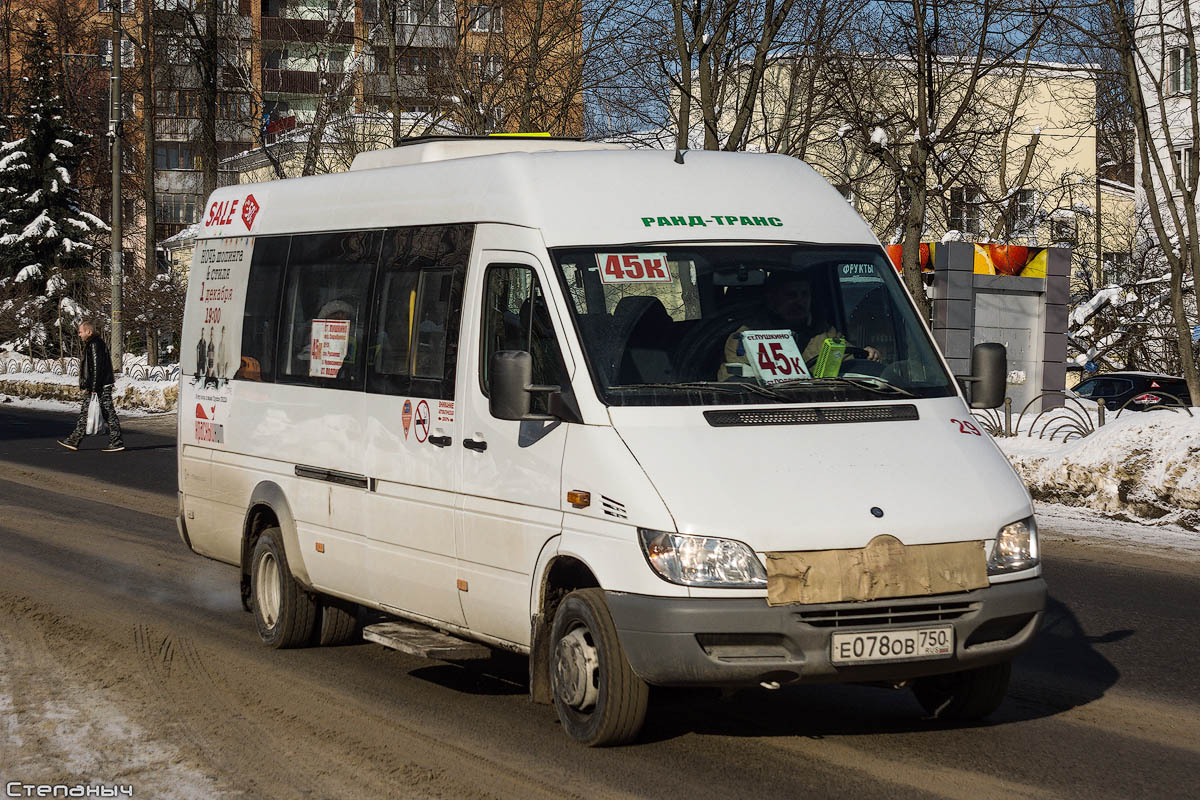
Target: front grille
(812, 415)
(879, 616)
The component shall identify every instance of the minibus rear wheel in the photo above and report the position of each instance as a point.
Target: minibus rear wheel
(338, 622)
(964, 696)
(284, 612)
(599, 699)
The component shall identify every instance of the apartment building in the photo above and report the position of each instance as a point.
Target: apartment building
(474, 66)
(1168, 82)
(287, 70)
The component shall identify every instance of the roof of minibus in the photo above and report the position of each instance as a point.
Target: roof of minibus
(574, 198)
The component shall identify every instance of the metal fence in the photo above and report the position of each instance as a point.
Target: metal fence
(132, 367)
(1071, 420)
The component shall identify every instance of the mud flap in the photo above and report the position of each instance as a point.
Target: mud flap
(539, 662)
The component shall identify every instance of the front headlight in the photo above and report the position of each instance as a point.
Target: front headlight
(702, 561)
(1015, 549)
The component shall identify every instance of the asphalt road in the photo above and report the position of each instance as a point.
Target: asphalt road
(124, 658)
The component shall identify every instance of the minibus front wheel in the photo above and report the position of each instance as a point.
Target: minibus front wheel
(284, 612)
(599, 699)
(964, 696)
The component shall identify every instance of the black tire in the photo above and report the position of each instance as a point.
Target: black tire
(612, 710)
(964, 696)
(337, 622)
(284, 612)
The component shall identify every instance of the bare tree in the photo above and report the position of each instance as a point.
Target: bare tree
(1159, 61)
(149, 238)
(722, 49)
(794, 108)
(1122, 317)
(400, 26)
(909, 88)
(548, 43)
(12, 21)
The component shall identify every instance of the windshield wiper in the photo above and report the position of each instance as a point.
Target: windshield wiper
(873, 384)
(726, 387)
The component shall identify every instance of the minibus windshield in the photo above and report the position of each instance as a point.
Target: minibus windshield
(670, 324)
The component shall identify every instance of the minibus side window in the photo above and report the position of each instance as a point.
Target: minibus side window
(417, 308)
(325, 306)
(516, 317)
(261, 316)
(433, 316)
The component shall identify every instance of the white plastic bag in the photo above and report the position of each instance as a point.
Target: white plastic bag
(95, 423)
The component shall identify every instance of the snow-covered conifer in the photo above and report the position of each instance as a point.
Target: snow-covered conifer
(47, 242)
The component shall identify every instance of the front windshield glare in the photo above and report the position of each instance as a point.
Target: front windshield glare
(721, 324)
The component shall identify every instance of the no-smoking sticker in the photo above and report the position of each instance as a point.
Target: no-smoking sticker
(421, 421)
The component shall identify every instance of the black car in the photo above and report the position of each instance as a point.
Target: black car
(1138, 391)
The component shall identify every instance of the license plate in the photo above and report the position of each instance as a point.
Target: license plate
(865, 646)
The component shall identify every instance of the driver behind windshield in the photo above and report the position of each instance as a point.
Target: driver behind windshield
(787, 305)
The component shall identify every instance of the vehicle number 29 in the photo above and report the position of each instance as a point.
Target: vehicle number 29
(892, 645)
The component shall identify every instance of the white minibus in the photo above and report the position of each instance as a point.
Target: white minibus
(650, 418)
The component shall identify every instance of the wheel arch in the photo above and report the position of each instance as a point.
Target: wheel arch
(560, 575)
(269, 507)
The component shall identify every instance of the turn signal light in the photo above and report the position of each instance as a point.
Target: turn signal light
(579, 499)
(320, 547)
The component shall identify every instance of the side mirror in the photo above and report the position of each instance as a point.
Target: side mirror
(989, 375)
(510, 386)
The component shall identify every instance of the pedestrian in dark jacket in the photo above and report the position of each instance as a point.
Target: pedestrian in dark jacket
(95, 377)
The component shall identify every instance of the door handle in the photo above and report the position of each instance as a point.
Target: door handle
(440, 441)
(471, 444)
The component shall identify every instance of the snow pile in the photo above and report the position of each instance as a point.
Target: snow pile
(127, 393)
(1144, 466)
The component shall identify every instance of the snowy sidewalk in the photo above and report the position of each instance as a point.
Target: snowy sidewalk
(1082, 525)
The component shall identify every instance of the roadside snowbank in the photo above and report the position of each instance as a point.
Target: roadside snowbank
(1144, 467)
(127, 393)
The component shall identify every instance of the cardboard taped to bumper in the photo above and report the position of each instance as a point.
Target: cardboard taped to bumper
(884, 568)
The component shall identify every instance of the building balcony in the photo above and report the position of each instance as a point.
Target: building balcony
(379, 85)
(289, 81)
(283, 29)
(176, 128)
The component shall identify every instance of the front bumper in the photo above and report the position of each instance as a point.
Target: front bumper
(743, 641)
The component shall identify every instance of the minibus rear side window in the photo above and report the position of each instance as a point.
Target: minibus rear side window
(261, 316)
(323, 321)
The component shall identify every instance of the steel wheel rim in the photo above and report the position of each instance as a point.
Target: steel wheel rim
(577, 669)
(266, 589)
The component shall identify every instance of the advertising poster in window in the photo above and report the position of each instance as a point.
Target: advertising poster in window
(330, 343)
(212, 336)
